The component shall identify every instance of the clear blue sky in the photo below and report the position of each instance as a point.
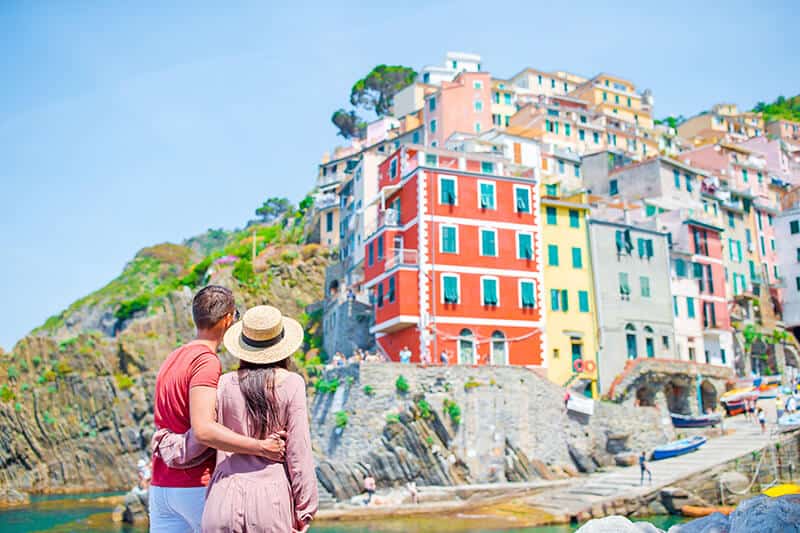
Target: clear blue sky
(123, 126)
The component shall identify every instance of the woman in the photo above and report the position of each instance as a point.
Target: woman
(250, 493)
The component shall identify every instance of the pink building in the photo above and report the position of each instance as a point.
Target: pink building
(462, 105)
(786, 130)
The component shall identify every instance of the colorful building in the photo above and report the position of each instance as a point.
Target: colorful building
(463, 105)
(616, 98)
(458, 236)
(533, 83)
(786, 130)
(569, 291)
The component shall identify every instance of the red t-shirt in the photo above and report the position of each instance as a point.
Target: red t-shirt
(191, 365)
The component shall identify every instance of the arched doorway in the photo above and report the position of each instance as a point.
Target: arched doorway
(466, 347)
(646, 396)
(649, 343)
(677, 398)
(630, 341)
(499, 350)
(333, 288)
(708, 394)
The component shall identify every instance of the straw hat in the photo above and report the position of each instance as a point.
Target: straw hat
(263, 336)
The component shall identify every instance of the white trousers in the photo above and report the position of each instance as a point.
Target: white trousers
(176, 510)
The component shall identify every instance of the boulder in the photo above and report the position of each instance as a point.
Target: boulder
(584, 463)
(617, 442)
(625, 459)
(617, 524)
(734, 481)
(12, 498)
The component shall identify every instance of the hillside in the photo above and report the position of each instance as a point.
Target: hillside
(781, 108)
(76, 407)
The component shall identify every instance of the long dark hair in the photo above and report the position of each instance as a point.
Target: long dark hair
(257, 383)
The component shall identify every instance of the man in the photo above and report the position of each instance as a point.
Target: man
(643, 468)
(405, 355)
(185, 398)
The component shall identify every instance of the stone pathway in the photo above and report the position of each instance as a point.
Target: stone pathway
(624, 482)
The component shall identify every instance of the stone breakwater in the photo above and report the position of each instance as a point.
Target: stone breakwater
(454, 425)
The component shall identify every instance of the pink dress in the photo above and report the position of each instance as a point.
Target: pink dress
(254, 494)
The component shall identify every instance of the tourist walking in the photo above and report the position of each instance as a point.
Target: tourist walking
(778, 407)
(185, 398)
(643, 468)
(405, 355)
(444, 358)
(762, 420)
(258, 494)
(369, 487)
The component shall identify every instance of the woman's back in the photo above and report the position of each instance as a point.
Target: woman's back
(249, 493)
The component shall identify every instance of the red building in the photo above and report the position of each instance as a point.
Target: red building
(454, 264)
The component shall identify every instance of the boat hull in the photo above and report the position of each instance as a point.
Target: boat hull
(683, 421)
(674, 449)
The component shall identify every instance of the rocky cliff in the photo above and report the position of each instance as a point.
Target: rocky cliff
(76, 394)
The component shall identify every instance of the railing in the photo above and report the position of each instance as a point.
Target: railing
(325, 201)
(389, 217)
(401, 256)
(328, 180)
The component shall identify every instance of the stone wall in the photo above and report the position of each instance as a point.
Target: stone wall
(513, 426)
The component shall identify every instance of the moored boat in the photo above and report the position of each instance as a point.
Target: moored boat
(767, 390)
(690, 421)
(789, 422)
(697, 511)
(782, 490)
(678, 447)
(734, 400)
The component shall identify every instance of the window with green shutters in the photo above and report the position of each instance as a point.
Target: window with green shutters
(447, 191)
(450, 292)
(613, 188)
(752, 266)
(567, 129)
(644, 283)
(577, 258)
(564, 300)
(690, 307)
(432, 160)
(552, 255)
(522, 197)
(624, 286)
(574, 218)
(391, 291)
(551, 189)
(488, 242)
(794, 226)
(524, 246)
(582, 135)
(487, 167)
(676, 177)
(489, 290)
(380, 295)
(583, 301)
(595, 137)
(552, 216)
(487, 196)
(449, 240)
(675, 305)
(554, 297)
(797, 283)
(527, 294)
(744, 175)
(680, 268)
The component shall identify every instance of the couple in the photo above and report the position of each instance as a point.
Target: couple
(232, 453)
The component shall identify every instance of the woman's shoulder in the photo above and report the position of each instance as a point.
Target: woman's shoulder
(228, 379)
(288, 379)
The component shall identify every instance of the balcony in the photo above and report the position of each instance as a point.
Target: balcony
(401, 257)
(330, 179)
(326, 201)
(389, 218)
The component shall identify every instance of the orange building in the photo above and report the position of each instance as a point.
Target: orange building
(458, 236)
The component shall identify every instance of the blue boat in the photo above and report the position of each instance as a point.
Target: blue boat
(679, 447)
(789, 422)
(689, 421)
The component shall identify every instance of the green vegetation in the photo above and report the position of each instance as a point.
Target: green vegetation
(63, 368)
(124, 381)
(12, 371)
(324, 385)
(243, 272)
(36, 360)
(392, 418)
(672, 122)
(349, 380)
(424, 408)
(48, 418)
(18, 407)
(429, 440)
(369, 390)
(49, 375)
(781, 108)
(453, 410)
(272, 209)
(341, 419)
(401, 385)
(6, 394)
(471, 383)
(374, 92)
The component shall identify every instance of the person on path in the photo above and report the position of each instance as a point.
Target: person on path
(762, 420)
(778, 407)
(643, 468)
(185, 399)
(444, 357)
(369, 487)
(413, 491)
(258, 494)
(405, 355)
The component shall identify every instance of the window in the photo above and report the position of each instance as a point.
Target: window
(496, 97)
(560, 166)
(487, 167)
(432, 103)
(688, 182)
(447, 191)
(772, 244)
(450, 292)
(499, 352)
(524, 245)
(486, 195)
(797, 283)
(680, 268)
(567, 129)
(581, 135)
(488, 242)
(329, 221)
(466, 347)
(744, 175)
(676, 177)
(432, 160)
(449, 239)
(649, 348)
(477, 127)
(675, 305)
(794, 226)
(552, 215)
(613, 188)
(690, 307)
(583, 119)
(552, 84)
(507, 99)
(798, 255)
(605, 96)
(574, 218)
(478, 106)
(577, 352)
(623, 241)
(433, 126)
(391, 290)
(700, 238)
(644, 284)
(551, 189)
(583, 301)
(731, 220)
(665, 342)
(630, 341)
(596, 137)
(624, 287)
(577, 258)
(393, 168)
(380, 247)
(616, 98)
(554, 298)
(629, 101)
(527, 294)
(370, 254)
(522, 199)
(539, 79)
(380, 294)
(489, 292)
(477, 84)
(564, 300)
(763, 248)
(552, 255)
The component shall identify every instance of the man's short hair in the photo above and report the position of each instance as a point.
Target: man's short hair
(210, 305)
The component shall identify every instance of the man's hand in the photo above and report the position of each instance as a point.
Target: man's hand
(274, 446)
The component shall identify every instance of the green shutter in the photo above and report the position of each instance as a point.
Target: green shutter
(488, 245)
(487, 196)
(523, 201)
(574, 218)
(564, 300)
(583, 301)
(450, 289)
(624, 287)
(680, 268)
(690, 306)
(552, 255)
(448, 192)
(552, 216)
(525, 246)
(449, 239)
(641, 247)
(649, 246)
(528, 294)
(489, 291)
(554, 294)
(577, 260)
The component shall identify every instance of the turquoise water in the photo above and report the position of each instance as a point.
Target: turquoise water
(63, 514)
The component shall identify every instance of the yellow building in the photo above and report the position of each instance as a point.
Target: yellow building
(504, 103)
(723, 119)
(571, 332)
(616, 98)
